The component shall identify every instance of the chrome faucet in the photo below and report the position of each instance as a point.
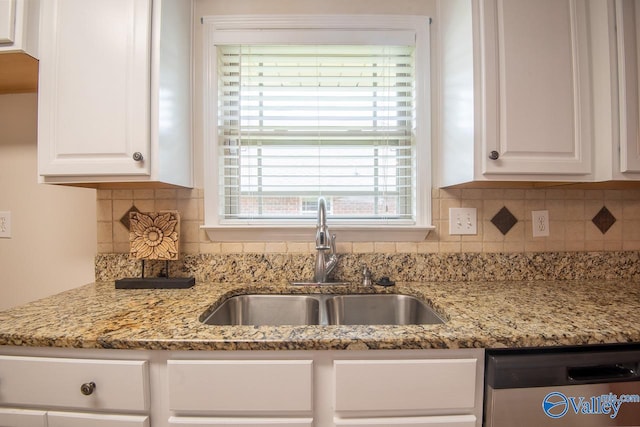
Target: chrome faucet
(324, 242)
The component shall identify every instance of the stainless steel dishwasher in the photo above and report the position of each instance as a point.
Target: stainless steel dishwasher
(561, 387)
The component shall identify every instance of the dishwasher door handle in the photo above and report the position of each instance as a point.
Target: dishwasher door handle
(599, 373)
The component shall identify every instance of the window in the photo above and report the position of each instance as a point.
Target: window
(338, 112)
(310, 206)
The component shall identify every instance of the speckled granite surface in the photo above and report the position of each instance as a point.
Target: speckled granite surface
(480, 314)
(409, 267)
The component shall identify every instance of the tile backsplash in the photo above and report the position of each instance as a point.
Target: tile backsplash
(571, 222)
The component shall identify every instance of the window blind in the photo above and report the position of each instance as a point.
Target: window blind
(299, 122)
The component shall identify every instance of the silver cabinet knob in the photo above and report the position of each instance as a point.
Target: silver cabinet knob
(137, 156)
(87, 388)
(494, 155)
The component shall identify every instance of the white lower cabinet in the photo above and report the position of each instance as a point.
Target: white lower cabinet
(397, 386)
(73, 392)
(243, 386)
(256, 392)
(398, 390)
(41, 387)
(58, 382)
(428, 388)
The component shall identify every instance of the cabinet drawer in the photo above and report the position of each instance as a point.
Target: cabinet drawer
(52, 382)
(405, 385)
(22, 418)
(440, 421)
(247, 386)
(68, 419)
(244, 422)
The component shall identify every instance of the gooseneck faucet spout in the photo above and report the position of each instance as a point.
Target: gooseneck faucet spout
(325, 263)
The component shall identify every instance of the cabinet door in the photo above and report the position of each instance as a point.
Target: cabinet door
(404, 386)
(537, 103)
(628, 18)
(7, 21)
(244, 386)
(22, 418)
(70, 419)
(94, 87)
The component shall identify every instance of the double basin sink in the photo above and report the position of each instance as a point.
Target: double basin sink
(320, 309)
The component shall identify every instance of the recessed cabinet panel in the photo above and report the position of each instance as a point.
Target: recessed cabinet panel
(538, 114)
(22, 418)
(94, 96)
(241, 387)
(52, 382)
(7, 21)
(628, 20)
(404, 385)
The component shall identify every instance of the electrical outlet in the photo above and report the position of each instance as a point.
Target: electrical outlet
(463, 221)
(540, 222)
(5, 225)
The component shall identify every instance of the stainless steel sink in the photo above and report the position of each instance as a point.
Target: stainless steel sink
(385, 309)
(317, 309)
(266, 310)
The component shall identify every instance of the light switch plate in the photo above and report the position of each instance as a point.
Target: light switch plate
(463, 221)
(5, 225)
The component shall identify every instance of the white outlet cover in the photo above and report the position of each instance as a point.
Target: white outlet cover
(463, 221)
(5, 225)
(540, 223)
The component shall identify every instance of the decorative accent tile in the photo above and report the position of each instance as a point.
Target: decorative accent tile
(604, 220)
(155, 235)
(125, 220)
(504, 220)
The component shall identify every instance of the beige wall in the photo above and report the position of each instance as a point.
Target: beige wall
(53, 242)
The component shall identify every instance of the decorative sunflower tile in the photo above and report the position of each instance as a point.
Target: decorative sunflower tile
(154, 235)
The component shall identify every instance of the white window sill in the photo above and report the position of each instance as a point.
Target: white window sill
(306, 233)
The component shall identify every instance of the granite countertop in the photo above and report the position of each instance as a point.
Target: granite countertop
(480, 314)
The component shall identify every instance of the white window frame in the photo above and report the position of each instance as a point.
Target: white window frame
(311, 29)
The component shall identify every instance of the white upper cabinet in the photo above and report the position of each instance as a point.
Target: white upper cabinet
(515, 91)
(537, 97)
(114, 92)
(628, 43)
(19, 20)
(7, 22)
(94, 87)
